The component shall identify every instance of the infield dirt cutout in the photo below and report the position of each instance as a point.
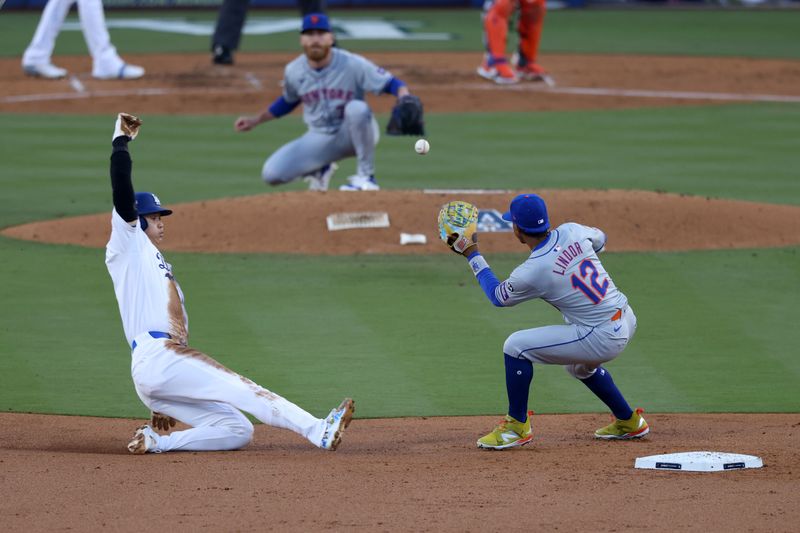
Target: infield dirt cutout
(413, 474)
(295, 222)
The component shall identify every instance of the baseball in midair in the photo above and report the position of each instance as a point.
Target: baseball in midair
(422, 147)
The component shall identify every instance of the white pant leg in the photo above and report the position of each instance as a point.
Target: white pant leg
(105, 60)
(164, 371)
(40, 51)
(215, 426)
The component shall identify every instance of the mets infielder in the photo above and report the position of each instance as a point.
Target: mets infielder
(175, 381)
(563, 269)
(330, 83)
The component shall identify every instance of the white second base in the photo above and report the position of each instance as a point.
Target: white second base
(699, 461)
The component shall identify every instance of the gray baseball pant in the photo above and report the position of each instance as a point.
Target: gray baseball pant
(357, 137)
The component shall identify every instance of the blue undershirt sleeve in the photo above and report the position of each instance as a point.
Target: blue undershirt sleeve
(393, 85)
(487, 280)
(281, 107)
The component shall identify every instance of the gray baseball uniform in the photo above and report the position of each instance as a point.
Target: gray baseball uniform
(565, 271)
(340, 123)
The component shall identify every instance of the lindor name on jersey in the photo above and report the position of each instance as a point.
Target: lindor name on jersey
(566, 256)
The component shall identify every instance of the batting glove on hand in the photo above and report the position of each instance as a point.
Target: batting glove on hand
(162, 422)
(126, 125)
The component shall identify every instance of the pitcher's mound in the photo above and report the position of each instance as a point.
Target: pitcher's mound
(295, 222)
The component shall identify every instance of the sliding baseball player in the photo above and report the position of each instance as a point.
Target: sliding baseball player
(174, 380)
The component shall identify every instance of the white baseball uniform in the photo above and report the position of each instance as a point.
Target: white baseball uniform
(564, 271)
(170, 377)
(105, 60)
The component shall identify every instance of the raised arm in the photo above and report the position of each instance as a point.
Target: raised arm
(125, 130)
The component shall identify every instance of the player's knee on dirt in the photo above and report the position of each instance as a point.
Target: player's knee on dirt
(580, 371)
(241, 428)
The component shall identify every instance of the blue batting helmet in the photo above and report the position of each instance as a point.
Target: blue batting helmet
(148, 203)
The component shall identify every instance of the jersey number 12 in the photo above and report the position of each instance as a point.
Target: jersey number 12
(596, 291)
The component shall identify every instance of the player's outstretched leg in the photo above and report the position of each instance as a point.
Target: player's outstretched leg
(628, 424)
(178, 380)
(335, 424)
(634, 427)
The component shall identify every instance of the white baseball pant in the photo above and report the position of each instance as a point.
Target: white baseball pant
(105, 60)
(195, 389)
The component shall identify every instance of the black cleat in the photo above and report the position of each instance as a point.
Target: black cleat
(222, 55)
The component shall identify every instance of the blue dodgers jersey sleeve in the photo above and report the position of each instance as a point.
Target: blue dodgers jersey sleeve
(566, 272)
(324, 93)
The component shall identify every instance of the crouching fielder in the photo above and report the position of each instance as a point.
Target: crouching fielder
(562, 269)
(175, 381)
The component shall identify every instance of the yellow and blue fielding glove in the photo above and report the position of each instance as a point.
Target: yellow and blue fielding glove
(458, 225)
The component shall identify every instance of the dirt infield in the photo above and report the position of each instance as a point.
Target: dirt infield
(415, 474)
(634, 221)
(446, 82)
(73, 473)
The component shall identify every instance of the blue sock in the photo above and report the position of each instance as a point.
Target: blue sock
(601, 384)
(519, 374)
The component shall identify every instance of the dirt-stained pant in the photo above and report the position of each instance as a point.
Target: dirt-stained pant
(193, 388)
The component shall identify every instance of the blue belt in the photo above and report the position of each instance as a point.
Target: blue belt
(155, 335)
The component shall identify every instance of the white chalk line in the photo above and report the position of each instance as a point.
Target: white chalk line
(584, 91)
(636, 93)
(466, 191)
(76, 84)
(119, 92)
(253, 80)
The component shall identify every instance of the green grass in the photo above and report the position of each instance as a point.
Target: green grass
(714, 327)
(711, 332)
(716, 151)
(745, 33)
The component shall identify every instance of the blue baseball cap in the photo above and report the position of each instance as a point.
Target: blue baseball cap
(316, 21)
(529, 212)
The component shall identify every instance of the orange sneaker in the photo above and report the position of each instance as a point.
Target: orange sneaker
(499, 73)
(531, 72)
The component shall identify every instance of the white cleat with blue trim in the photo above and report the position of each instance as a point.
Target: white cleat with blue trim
(335, 424)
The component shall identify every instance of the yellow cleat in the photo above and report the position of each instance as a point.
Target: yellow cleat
(634, 428)
(510, 433)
